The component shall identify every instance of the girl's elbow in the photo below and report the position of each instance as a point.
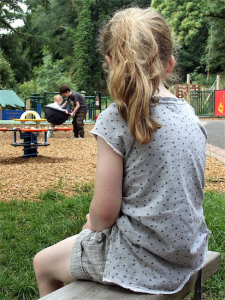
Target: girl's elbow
(108, 217)
(103, 220)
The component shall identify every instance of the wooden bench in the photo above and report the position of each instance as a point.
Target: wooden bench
(88, 290)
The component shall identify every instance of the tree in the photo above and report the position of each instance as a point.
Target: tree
(215, 54)
(14, 52)
(91, 14)
(83, 45)
(198, 26)
(68, 30)
(51, 75)
(10, 10)
(7, 79)
(49, 25)
(190, 30)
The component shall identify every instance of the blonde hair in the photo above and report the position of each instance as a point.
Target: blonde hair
(57, 97)
(139, 44)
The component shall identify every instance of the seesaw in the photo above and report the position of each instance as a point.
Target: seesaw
(29, 135)
(55, 116)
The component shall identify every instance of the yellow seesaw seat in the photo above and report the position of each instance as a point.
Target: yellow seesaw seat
(22, 119)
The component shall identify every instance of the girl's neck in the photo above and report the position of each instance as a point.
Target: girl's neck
(163, 92)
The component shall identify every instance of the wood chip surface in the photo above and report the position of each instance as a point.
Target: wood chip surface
(64, 165)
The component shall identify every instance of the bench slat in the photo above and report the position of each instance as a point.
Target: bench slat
(88, 290)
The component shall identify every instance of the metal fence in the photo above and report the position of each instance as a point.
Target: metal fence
(203, 102)
(96, 103)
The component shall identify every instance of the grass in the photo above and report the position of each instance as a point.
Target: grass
(214, 210)
(27, 227)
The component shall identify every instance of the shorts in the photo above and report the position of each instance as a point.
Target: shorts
(89, 255)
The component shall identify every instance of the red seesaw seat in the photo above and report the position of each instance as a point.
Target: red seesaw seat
(63, 128)
(33, 129)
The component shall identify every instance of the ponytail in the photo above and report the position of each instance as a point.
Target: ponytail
(139, 45)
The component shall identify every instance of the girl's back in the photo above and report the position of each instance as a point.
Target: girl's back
(161, 233)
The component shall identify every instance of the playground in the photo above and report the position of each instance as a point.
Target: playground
(64, 162)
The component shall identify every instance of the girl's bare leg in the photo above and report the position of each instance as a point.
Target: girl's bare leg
(52, 266)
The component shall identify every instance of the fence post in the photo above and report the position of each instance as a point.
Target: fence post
(45, 98)
(188, 87)
(28, 103)
(218, 82)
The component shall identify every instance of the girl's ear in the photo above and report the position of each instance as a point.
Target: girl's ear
(108, 59)
(170, 66)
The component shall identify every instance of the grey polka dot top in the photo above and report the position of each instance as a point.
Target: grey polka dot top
(160, 236)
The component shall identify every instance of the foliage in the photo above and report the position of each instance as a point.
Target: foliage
(215, 55)
(7, 80)
(27, 88)
(190, 31)
(198, 28)
(10, 10)
(49, 25)
(48, 77)
(51, 75)
(14, 53)
(69, 30)
(10, 43)
(83, 39)
(205, 81)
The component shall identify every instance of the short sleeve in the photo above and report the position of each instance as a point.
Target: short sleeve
(113, 129)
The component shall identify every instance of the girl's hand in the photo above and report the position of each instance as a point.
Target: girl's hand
(87, 225)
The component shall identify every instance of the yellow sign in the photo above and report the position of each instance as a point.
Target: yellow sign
(221, 105)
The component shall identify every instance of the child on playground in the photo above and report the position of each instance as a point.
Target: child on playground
(79, 109)
(145, 230)
(58, 99)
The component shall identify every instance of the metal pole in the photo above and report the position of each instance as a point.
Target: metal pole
(188, 87)
(218, 82)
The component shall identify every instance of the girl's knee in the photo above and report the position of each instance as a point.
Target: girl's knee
(53, 263)
(39, 264)
(36, 262)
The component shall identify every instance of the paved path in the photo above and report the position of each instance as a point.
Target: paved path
(216, 138)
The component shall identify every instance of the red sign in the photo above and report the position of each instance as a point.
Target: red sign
(220, 103)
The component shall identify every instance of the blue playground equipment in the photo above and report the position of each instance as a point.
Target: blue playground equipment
(30, 140)
(29, 135)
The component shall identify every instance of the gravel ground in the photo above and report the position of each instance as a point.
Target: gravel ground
(64, 164)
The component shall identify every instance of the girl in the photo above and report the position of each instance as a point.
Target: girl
(145, 230)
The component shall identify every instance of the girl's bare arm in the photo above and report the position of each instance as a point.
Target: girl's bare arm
(107, 199)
